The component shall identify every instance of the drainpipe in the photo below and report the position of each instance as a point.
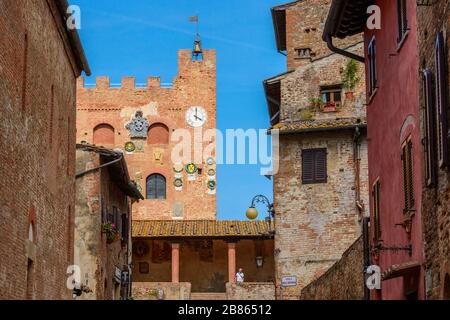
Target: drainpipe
(329, 40)
(366, 249)
(80, 174)
(357, 168)
(360, 206)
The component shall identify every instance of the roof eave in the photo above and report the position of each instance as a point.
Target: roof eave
(324, 129)
(341, 10)
(74, 39)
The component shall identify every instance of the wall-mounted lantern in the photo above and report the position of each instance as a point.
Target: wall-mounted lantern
(259, 261)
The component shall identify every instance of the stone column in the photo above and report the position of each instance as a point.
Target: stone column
(231, 262)
(175, 262)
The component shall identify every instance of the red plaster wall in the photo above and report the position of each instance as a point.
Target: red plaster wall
(393, 115)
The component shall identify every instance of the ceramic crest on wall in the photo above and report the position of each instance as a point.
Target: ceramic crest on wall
(138, 126)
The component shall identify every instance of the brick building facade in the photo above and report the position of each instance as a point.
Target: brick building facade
(39, 62)
(103, 116)
(104, 197)
(321, 188)
(433, 40)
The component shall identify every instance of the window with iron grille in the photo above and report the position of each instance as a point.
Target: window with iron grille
(372, 66)
(314, 166)
(376, 210)
(430, 128)
(402, 19)
(408, 176)
(441, 100)
(156, 187)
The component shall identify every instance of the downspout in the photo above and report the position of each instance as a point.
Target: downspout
(329, 40)
(357, 168)
(80, 174)
(360, 205)
(366, 249)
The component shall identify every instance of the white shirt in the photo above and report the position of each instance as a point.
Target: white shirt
(240, 277)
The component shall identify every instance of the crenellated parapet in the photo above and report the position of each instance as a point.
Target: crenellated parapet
(189, 70)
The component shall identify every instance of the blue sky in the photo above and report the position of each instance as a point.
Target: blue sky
(141, 38)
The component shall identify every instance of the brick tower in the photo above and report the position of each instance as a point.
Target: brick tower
(145, 122)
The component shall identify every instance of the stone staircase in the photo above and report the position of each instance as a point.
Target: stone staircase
(208, 296)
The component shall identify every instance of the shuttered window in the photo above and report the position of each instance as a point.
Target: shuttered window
(376, 210)
(402, 19)
(408, 176)
(372, 66)
(156, 187)
(125, 228)
(441, 101)
(430, 128)
(314, 166)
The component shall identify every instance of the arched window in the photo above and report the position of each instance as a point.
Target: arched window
(104, 135)
(156, 187)
(158, 134)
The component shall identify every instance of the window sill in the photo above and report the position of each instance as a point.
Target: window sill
(402, 41)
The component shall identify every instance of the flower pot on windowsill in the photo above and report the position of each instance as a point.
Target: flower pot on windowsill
(329, 107)
(349, 95)
(112, 235)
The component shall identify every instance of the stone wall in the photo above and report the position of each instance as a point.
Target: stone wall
(315, 223)
(343, 281)
(97, 195)
(37, 139)
(249, 291)
(304, 28)
(165, 107)
(304, 84)
(436, 199)
(151, 291)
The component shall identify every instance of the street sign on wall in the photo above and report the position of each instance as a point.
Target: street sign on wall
(290, 281)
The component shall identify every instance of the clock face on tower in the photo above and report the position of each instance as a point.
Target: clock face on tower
(196, 117)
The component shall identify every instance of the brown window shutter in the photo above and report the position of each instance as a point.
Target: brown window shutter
(430, 129)
(441, 100)
(314, 166)
(405, 176)
(410, 175)
(308, 166)
(321, 166)
(376, 210)
(402, 19)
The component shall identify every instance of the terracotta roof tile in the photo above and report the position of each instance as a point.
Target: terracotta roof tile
(200, 229)
(306, 125)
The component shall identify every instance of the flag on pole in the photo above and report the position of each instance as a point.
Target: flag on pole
(193, 19)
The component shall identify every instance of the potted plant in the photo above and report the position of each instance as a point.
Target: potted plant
(350, 78)
(316, 104)
(112, 234)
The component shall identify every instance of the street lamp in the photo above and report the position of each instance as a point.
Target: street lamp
(252, 212)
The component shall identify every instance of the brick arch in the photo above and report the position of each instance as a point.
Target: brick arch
(407, 128)
(104, 135)
(158, 134)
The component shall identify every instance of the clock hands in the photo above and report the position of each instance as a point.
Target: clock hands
(196, 115)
